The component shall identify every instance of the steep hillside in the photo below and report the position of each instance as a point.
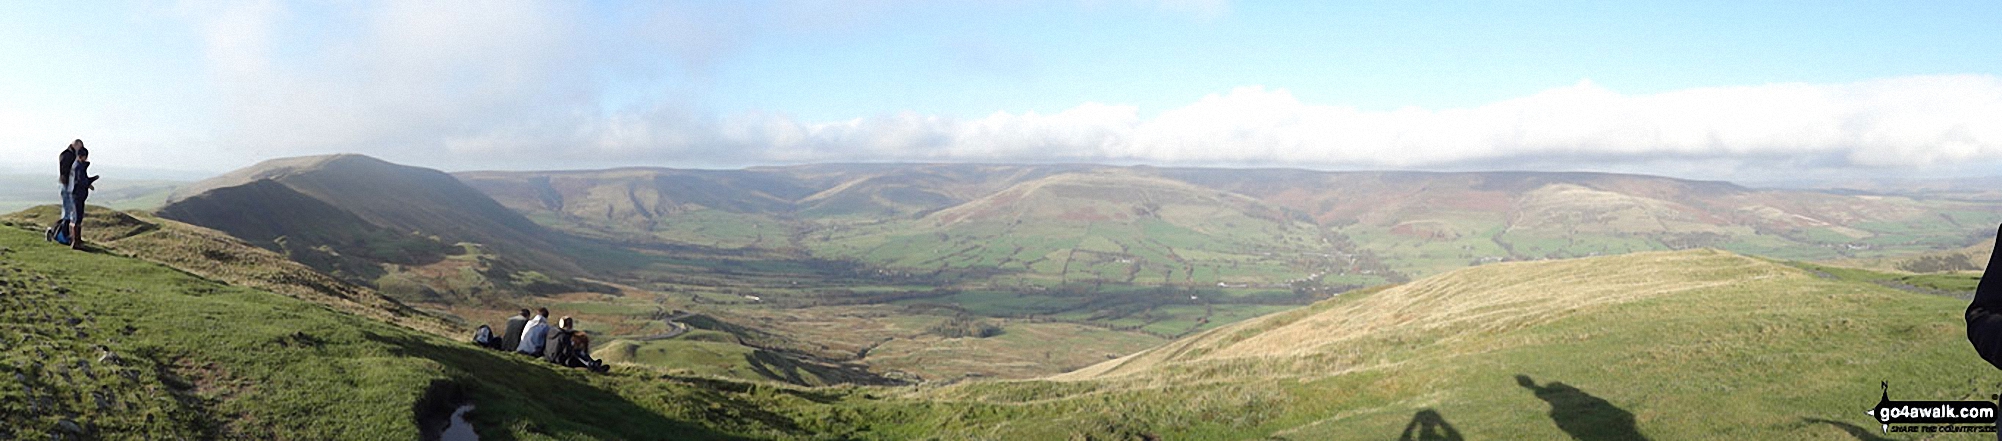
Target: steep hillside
(1697, 344)
(109, 347)
(365, 220)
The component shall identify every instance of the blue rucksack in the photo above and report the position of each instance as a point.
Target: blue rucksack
(59, 233)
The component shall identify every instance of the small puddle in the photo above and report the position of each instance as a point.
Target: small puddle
(458, 429)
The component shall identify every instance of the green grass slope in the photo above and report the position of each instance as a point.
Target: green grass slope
(103, 346)
(1695, 344)
(218, 256)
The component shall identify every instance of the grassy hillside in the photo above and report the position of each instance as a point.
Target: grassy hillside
(418, 201)
(102, 346)
(214, 255)
(1683, 345)
(860, 260)
(1692, 344)
(415, 233)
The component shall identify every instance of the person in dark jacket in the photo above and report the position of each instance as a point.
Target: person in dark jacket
(511, 335)
(65, 161)
(580, 354)
(1984, 314)
(80, 186)
(557, 347)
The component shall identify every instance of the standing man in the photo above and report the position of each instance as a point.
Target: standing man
(80, 185)
(67, 160)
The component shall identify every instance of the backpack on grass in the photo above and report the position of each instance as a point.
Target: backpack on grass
(58, 233)
(485, 338)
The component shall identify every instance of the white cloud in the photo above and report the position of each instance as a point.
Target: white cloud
(1899, 122)
(521, 85)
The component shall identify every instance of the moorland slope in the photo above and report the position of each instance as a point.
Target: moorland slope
(1698, 344)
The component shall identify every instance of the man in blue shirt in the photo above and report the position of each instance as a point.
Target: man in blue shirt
(533, 334)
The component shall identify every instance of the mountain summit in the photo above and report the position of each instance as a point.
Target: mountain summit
(350, 215)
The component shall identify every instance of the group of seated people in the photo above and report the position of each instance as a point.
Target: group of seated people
(532, 335)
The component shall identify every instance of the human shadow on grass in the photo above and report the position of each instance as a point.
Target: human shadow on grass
(1428, 425)
(1581, 415)
(516, 391)
(1854, 430)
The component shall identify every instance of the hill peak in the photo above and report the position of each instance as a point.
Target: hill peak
(280, 168)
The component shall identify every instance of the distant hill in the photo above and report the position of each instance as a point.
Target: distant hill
(20, 191)
(1425, 223)
(712, 207)
(364, 219)
(1400, 224)
(1109, 225)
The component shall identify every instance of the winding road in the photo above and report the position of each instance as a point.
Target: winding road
(674, 328)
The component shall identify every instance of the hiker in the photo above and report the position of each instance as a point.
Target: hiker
(533, 333)
(80, 185)
(1984, 315)
(59, 231)
(580, 354)
(511, 336)
(557, 348)
(67, 159)
(570, 347)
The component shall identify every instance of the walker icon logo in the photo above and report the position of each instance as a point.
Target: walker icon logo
(1941, 414)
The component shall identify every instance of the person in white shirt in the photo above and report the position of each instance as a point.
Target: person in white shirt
(534, 332)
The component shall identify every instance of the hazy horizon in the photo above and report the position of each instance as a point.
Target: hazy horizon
(1742, 92)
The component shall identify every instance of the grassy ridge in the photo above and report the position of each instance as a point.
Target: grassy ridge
(1685, 345)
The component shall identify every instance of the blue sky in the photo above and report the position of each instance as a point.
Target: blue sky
(1752, 91)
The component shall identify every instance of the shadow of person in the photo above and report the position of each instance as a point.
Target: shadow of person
(1583, 416)
(1427, 425)
(1858, 432)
